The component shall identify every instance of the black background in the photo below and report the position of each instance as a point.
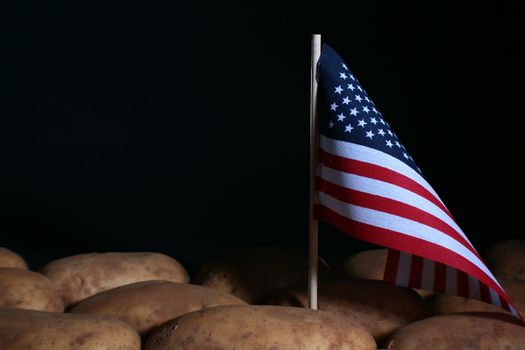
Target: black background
(182, 127)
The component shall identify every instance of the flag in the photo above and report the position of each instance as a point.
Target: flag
(370, 188)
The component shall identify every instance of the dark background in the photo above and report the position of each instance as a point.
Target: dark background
(182, 126)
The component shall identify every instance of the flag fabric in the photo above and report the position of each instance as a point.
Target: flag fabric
(369, 187)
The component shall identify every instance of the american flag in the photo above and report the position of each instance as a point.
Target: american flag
(369, 187)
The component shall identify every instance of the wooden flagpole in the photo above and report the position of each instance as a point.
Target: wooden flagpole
(314, 140)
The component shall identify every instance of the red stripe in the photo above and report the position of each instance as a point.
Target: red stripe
(484, 292)
(463, 284)
(391, 206)
(379, 173)
(411, 245)
(504, 303)
(416, 272)
(392, 263)
(440, 277)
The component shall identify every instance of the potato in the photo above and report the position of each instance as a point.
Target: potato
(260, 327)
(37, 330)
(80, 276)
(460, 331)
(370, 264)
(507, 259)
(381, 308)
(146, 305)
(28, 290)
(516, 291)
(11, 259)
(253, 273)
(440, 304)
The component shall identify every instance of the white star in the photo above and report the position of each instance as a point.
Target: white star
(381, 132)
(405, 155)
(333, 106)
(344, 66)
(382, 121)
(346, 100)
(352, 77)
(341, 117)
(367, 99)
(362, 123)
(358, 98)
(373, 121)
(351, 87)
(375, 110)
(353, 111)
(330, 124)
(390, 132)
(348, 128)
(398, 144)
(389, 143)
(369, 134)
(365, 109)
(359, 88)
(343, 76)
(338, 89)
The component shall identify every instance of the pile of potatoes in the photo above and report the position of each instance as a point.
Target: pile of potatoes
(255, 298)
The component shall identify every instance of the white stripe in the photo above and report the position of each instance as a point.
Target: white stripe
(390, 191)
(451, 286)
(370, 155)
(404, 226)
(494, 297)
(473, 288)
(403, 269)
(427, 280)
(513, 310)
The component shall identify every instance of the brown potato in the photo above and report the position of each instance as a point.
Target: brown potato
(440, 304)
(516, 291)
(370, 265)
(146, 305)
(254, 273)
(28, 290)
(11, 259)
(461, 331)
(507, 259)
(37, 330)
(80, 276)
(260, 327)
(381, 308)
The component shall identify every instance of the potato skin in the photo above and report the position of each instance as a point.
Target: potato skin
(381, 308)
(37, 330)
(11, 259)
(507, 259)
(370, 265)
(146, 305)
(254, 273)
(80, 276)
(516, 291)
(441, 304)
(460, 331)
(260, 327)
(28, 290)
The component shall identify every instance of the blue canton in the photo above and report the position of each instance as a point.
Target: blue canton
(348, 114)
